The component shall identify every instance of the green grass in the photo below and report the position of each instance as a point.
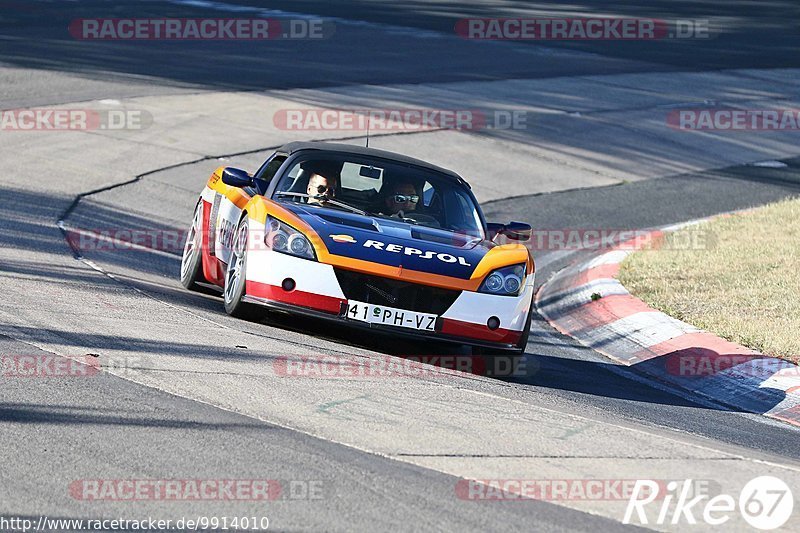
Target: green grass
(739, 279)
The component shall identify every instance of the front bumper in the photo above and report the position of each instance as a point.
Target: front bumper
(318, 293)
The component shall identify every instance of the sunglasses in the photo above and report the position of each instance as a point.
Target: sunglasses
(403, 198)
(322, 189)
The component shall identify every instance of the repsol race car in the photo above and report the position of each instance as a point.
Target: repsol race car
(365, 237)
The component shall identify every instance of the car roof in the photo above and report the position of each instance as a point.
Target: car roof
(297, 146)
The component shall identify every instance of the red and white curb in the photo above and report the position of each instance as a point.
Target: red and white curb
(585, 301)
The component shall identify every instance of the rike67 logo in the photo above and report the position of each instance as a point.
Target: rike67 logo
(765, 503)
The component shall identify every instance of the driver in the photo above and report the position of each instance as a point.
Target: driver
(400, 198)
(320, 189)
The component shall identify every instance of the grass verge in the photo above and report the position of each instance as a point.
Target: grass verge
(736, 276)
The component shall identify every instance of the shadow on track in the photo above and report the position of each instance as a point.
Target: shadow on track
(36, 36)
(27, 413)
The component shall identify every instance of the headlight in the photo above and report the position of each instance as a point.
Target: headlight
(506, 281)
(283, 238)
(298, 245)
(279, 241)
(494, 282)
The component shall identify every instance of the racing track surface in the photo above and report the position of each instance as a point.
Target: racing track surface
(201, 398)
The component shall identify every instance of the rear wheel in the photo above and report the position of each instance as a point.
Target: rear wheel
(235, 278)
(191, 261)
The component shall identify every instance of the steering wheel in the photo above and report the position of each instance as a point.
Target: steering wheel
(422, 218)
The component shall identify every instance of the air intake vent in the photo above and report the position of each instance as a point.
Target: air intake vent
(454, 239)
(353, 223)
(395, 293)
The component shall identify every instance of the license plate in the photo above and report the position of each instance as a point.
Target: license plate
(390, 316)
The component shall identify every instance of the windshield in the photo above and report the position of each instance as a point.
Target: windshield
(383, 189)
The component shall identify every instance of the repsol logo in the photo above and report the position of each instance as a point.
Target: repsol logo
(397, 249)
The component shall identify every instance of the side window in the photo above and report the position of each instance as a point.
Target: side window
(461, 216)
(427, 194)
(290, 181)
(268, 171)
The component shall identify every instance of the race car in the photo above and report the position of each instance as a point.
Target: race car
(364, 237)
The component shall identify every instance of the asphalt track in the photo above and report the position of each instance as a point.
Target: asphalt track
(202, 401)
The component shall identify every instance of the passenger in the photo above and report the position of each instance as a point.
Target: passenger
(400, 197)
(320, 189)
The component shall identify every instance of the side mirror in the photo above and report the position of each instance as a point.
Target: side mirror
(513, 231)
(518, 231)
(492, 229)
(236, 177)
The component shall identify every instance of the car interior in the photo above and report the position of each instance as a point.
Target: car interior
(365, 187)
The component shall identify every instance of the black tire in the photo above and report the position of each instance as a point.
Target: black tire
(235, 278)
(192, 259)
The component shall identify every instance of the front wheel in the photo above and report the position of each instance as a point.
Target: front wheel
(235, 278)
(191, 261)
